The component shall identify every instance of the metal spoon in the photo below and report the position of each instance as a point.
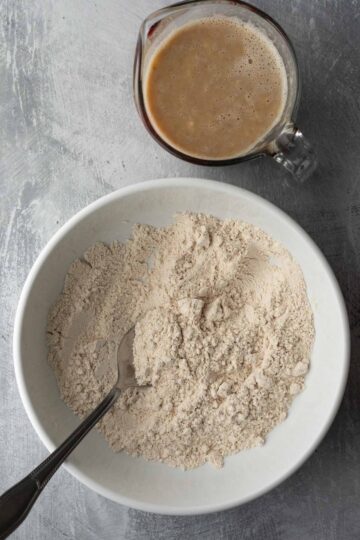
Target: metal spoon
(16, 502)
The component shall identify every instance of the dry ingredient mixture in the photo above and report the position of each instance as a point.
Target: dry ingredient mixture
(224, 332)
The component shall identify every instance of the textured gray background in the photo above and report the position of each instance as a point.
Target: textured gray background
(69, 133)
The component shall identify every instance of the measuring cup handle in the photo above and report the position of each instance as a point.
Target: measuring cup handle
(294, 152)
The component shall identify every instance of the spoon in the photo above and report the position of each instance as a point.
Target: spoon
(16, 502)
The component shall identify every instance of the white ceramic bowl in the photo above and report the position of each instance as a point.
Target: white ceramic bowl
(154, 486)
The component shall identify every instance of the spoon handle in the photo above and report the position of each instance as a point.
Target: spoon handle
(16, 502)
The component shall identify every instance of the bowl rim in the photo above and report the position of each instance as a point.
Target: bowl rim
(189, 182)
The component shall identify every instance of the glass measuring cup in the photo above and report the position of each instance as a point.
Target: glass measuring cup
(285, 142)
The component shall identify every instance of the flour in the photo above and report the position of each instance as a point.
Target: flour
(224, 332)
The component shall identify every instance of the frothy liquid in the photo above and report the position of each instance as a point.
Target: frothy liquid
(215, 87)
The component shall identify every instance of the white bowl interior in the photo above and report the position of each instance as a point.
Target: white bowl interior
(154, 486)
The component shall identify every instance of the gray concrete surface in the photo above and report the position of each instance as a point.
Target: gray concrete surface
(69, 133)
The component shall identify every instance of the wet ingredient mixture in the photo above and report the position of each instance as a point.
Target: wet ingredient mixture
(215, 87)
